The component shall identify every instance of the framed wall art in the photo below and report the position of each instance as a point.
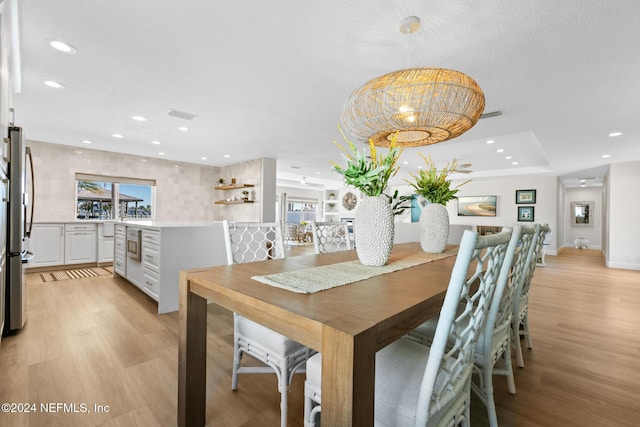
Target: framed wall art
(526, 197)
(477, 205)
(525, 213)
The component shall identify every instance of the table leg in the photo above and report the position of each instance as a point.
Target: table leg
(192, 356)
(348, 378)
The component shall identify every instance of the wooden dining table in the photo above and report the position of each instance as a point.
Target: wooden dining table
(348, 324)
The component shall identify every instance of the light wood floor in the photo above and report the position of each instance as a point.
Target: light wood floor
(99, 341)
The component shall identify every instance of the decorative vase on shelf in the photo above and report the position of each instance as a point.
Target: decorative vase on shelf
(434, 228)
(374, 230)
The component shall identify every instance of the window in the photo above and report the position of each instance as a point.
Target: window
(96, 197)
(300, 211)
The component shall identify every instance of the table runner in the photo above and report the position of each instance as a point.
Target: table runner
(310, 280)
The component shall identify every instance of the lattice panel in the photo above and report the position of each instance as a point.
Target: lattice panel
(331, 236)
(252, 242)
(475, 297)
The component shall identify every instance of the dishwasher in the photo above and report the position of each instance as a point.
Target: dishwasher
(80, 243)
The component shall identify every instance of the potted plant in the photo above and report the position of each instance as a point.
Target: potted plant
(221, 181)
(374, 214)
(434, 186)
(245, 195)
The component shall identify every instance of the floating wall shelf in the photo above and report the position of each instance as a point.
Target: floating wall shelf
(234, 187)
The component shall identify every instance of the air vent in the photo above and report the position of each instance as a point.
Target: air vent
(491, 114)
(181, 114)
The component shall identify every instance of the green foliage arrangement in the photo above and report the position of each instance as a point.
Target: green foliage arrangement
(370, 175)
(432, 184)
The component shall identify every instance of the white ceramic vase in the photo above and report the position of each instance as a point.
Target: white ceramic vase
(374, 230)
(434, 228)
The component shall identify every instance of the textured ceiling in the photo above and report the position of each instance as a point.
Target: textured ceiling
(268, 79)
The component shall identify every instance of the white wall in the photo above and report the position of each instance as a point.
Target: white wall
(545, 208)
(184, 191)
(592, 234)
(623, 215)
(261, 174)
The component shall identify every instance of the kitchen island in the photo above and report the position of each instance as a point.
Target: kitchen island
(150, 254)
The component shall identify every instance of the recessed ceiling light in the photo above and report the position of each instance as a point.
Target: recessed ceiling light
(318, 173)
(62, 46)
(138, 118)
(491, 141)
(53, 84)
(155, 142)
(605, 156)
(583, 181)
(226, 156)
(514, 163)
(405, 163)
(615, 134)
(509, 157)
(86, 141)
(500, 150)
(203, 158)
(117, 135)
(183, 129)
(161, 153)
(583, 185)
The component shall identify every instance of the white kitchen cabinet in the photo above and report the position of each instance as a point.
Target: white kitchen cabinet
(151, 250)
(150, 257)
(166, 249)
(120, 250)
(80, 243)
(105, 242)
(47, 245)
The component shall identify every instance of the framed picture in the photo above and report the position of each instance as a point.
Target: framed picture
(525, 196)
(477, 205)
(525, 213)
(349, 222)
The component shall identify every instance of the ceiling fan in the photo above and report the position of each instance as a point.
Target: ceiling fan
(299, 183)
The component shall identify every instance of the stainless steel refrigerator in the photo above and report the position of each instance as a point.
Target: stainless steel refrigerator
(19, 222)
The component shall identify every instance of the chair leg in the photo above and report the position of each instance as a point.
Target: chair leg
(527, 335)
(283, 387)
(283, 406)
(511, 382)
(488, 392)
(308, 407)
(517, 346)
(237, 358)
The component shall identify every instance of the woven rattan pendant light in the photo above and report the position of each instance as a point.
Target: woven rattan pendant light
(422, 105)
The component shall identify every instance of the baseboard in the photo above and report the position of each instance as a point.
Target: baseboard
(66, 267)
(623, 265)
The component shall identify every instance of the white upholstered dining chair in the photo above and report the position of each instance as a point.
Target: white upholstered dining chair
(330, 236)
(494, 343)
(418, 385)
(520, 318)
(251, 242)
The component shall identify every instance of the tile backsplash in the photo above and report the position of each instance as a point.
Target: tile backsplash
(184, 191)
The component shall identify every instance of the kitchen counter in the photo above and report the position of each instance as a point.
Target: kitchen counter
(167, 224)
(151, 254)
